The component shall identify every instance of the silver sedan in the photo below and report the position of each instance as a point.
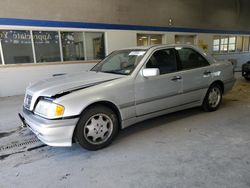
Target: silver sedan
(128, 86)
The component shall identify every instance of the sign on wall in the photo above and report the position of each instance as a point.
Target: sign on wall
(24, 37)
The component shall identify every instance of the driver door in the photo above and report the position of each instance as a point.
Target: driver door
(154, 94)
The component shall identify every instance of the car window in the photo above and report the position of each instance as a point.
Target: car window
(190, 59)
(164, 60)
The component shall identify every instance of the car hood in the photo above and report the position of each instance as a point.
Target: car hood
(64, 84)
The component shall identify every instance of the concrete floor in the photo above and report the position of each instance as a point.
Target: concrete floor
(190, 148)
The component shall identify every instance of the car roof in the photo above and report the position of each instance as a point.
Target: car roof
(159, 46)
(155, 47)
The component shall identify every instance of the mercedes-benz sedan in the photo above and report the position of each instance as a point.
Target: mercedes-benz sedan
(128, 86)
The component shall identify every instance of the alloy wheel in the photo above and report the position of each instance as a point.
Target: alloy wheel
(98, 129)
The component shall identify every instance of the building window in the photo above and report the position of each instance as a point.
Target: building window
(232, 44)
(185, 39)
(16, 46)
(245, 43)
(148, 39)
(216, 44)
(72, 46)
(46, 46)
(224, 44)
(95, 47)
(23, 46)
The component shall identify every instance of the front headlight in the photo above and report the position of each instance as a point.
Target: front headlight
(48, 109)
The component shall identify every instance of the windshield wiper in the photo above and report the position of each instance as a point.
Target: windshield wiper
(114, 72)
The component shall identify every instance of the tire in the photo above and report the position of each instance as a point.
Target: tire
(213, 98)
(96, 128)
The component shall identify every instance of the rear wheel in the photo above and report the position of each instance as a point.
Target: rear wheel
(213, 98)
(96, 128)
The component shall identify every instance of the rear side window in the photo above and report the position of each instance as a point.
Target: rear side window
(164, 60)
(191, 59)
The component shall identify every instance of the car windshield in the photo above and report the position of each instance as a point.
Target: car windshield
(120, 62)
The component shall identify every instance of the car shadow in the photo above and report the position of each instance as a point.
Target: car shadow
(164, 120)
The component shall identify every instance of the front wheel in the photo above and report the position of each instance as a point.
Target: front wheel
(213, 98)
(96, 128)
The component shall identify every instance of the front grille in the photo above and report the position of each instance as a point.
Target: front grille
(27, 101)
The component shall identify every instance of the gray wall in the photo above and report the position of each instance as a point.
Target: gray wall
(213, 14)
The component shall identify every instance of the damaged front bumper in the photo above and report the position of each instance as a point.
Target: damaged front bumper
(51, 132)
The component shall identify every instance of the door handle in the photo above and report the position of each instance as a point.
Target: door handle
(176, 78)
(207, 72)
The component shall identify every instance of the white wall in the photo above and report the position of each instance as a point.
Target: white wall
(205, 39)
(118, 39)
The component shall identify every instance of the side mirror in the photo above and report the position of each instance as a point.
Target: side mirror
(150, 72)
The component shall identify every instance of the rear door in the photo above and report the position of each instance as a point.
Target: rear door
(196, 74)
